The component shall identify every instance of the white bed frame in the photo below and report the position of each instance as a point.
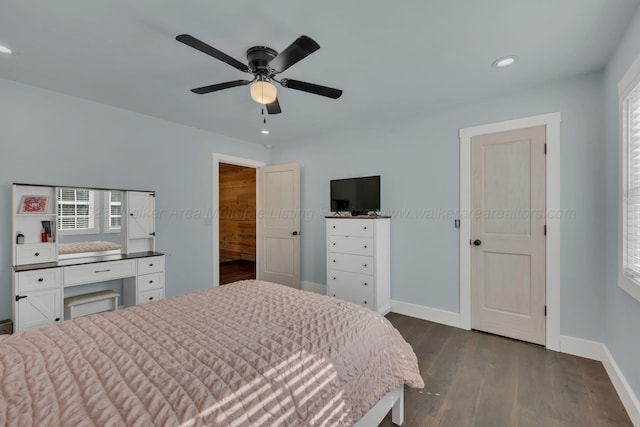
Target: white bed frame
(393, 400)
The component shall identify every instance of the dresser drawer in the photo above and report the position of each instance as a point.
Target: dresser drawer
(354, 263)
(149, 282)
(352, 287)
(98, 272)
(351, 245)
(35, 253)
(150, 296)
(38, 279)
(151, 265)
(351, 227)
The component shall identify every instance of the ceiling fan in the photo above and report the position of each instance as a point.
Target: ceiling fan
(264, 63)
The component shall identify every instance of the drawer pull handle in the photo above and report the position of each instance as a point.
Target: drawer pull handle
(334, 278)
(131, 214)
(57, 319)
(150, 265)
(19, 297)
(334, 260)
(37, 254)
(334, 227)
(40, 279)
(150, 281)
(334, 294)
(365, 228)
(365, 265)
(365, 283)
(365, 302)
(150, 298)
(365, 246)
(102, 271)
(334, 244)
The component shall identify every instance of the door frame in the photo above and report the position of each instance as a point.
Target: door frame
(216, 159)
(552, 122)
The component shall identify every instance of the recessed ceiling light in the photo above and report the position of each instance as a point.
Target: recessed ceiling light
(264, 132)
(268, 146)
(505, 61)
(4, 49)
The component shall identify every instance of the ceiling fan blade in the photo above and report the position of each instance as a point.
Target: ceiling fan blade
(219, 86)
(211, 51)
(297, 51)
(312, 88)
(274, 107)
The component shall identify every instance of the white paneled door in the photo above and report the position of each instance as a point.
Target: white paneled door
(508, 233)
(279, 224)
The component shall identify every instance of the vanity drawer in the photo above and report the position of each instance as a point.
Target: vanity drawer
(35, 253)
(148, 282)
(351, 245)
(38, 279)
(150, 296)
(351, 227)
(347, 262)
(151, 265)
(98, 272)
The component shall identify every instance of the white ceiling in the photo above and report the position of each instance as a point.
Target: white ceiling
(393, 59)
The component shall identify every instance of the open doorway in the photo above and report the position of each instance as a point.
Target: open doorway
(237, 222)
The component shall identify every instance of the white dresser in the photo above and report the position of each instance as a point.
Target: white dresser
(358, 261)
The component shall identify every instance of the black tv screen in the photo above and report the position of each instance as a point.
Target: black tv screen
(356, 195)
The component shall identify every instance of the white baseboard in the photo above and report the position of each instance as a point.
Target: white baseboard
(580, 347)
(317, 288)
(627, 396)
(448, 318)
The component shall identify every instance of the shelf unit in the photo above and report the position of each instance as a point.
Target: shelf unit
(33, 250)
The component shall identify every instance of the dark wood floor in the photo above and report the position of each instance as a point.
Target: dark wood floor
(477, 379)
(232, 271)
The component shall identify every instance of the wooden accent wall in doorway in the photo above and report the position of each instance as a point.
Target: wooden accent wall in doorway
(237, 213)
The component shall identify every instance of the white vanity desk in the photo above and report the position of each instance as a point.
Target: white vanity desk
(40, 273)
(38, 288)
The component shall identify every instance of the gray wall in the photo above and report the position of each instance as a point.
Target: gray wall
(419, 164)
(622, 311)
(47, 137)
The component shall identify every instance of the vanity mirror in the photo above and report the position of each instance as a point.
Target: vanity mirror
(56, 223)
(89, 222)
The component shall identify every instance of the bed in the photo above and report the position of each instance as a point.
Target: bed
(251, 353)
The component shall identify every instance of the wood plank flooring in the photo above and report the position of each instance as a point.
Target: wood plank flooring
(477, 379)
(232, 271)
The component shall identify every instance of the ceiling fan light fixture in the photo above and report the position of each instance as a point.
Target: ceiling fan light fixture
(263, 92)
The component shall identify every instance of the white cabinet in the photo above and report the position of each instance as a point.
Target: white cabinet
(139, 226)
(358, 261)
(148, 285)
(38, 298)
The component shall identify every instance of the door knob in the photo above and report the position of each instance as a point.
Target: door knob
(477, 242)
(295, 233)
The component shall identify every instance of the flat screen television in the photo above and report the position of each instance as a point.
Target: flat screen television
(356, 195)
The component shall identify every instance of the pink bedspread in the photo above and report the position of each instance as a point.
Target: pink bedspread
(248, 354)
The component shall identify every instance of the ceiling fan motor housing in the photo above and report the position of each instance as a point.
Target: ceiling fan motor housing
(259, 58)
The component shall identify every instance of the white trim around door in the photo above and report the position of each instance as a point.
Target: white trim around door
(552, 122)
(216, 159)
